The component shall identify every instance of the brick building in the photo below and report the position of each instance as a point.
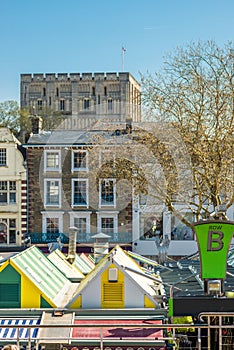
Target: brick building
(65, 187)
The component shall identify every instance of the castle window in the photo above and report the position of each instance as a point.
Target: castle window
(110, 104)
(105, 91)
(39, 104)
(57, 92)
(62, 105)
(86, 103)
(44, 91)
(93, 91)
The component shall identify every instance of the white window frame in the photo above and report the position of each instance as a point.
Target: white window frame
(46, 168)
(87, 189)
(52, 215)
(86, 160)
(59, 192)
(81, 215)
(8, 191)
(107, 214)
(112, 204)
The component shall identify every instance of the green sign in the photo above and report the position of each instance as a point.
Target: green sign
(213, 238)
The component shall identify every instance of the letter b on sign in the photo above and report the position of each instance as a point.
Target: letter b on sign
(215, 241)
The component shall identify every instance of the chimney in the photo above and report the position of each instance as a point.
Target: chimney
(100, 246)
(72, 244)
(36, 122)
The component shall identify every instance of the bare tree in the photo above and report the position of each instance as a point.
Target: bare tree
(194, 97)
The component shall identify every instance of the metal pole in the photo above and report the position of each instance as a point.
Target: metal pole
(101, 338)
(123, 52)
(220, 333)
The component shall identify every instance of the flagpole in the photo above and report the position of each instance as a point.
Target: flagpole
(123, 52)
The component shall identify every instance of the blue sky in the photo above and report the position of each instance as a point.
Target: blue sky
(58, 36)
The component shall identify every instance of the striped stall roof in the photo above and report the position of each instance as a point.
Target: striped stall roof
(82, 265)
(87, 260)
(43, 273)
(71, 271)
(11, 333)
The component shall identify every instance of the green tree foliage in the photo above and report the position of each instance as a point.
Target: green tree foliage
(10, 115)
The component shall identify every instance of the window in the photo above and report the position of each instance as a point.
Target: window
(79, 192)
(110, 105)
(93, 91)
(62, 105)
(80, 224)
(8, 231)
(81, 220)
(108, 223)
(7, 192)
(79, 160)
(3, 160)
(52, 192)
(39, 104)
(52, 225)
(179, 230)
(52, 222)
(105, 91)
(44, 92)
(52, 160)
(12, 230)
(107, 190)
(86, 103)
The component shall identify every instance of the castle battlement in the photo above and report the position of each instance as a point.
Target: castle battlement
(40, 77)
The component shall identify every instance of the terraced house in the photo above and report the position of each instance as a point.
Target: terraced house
(13, 191)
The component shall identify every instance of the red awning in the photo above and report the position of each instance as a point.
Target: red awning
(113, 330)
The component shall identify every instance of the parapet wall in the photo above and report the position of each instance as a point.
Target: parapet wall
(74, 77)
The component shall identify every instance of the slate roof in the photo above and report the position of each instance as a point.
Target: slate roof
(74, 137)
(184, 274)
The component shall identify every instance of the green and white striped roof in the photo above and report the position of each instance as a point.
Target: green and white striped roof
(44, 274)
